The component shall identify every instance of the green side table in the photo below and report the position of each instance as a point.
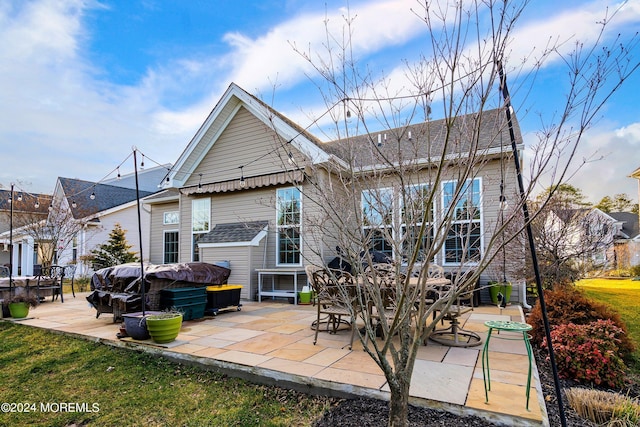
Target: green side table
(507, 326)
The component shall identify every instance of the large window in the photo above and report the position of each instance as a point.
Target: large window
(463, 242)
(170, 247)
(381, 208)
(200, 219)
(377, 218)
(414, 208)
(288, 221)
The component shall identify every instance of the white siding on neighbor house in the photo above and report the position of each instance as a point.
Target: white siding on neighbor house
(95, 235)
(156, 250)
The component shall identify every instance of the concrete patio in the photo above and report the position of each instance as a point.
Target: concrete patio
(272, 342)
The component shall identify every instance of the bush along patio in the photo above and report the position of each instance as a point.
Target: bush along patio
(592, 350)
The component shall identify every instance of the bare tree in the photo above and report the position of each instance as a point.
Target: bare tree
(52, 235)
(431, 191)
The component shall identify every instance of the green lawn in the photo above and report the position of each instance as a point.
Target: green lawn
(624, 296)
(65, 381)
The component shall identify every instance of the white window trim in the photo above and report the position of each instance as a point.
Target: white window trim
(277, 248)
(164, 218)
(193, 233)
(480, 220)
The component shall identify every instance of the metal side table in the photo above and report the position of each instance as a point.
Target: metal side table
(507, 326)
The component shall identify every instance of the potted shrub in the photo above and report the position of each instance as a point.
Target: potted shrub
(135, 324)
(164, 327)
(20, 304)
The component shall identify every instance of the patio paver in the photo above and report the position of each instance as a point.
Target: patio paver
(272, 341)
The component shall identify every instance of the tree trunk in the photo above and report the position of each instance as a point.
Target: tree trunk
(399, 402)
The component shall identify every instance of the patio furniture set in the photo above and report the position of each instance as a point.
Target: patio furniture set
(339, 295)
(46, 281)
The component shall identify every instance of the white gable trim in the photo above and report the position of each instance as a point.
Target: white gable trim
(186, 163)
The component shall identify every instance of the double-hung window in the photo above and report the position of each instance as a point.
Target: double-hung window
(200, 220)
(288, 224)
(463, 242)
(377, 217)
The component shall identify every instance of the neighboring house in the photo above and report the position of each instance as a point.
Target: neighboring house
(26, 208)
(626, 251)
(595, 239)
(231, 187)
(97, 208)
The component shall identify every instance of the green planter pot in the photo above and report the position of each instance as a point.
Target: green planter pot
(496, 287)
(164, 328)
(305, 298)
(19, 310)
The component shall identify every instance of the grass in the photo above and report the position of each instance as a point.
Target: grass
(131, 388)
(623, 295)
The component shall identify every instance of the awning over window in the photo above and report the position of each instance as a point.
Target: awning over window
(289, 177)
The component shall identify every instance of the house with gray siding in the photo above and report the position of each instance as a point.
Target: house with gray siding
(240, 192)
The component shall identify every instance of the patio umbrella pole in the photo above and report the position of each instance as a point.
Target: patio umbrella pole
(534, 258)
(142, 286)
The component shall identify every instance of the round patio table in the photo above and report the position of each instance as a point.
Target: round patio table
(507, 326)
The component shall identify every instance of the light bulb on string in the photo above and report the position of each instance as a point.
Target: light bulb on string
(93, 195)
(20, 196)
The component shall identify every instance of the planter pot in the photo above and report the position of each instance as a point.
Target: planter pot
(164, 328)
(304, 298)
(19, 310)
(504, 288)
(136, 324)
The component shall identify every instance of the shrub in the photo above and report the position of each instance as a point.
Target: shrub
(567, 304)
(589, 353)
(603, 407)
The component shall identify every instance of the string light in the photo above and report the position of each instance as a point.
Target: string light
(20, 196)
(36, 204)
(74, 204)
(242, 181)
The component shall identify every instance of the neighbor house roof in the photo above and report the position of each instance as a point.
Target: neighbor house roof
(149, 179)
(32, 207)
(79, 192)
(27, 204)
(629, 222)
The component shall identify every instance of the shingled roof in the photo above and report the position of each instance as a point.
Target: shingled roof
(106, 196)
(27, 204)
(236, 232)
(629, 221)
(477, 132)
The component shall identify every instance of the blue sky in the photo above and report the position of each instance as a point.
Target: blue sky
(83, 81)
